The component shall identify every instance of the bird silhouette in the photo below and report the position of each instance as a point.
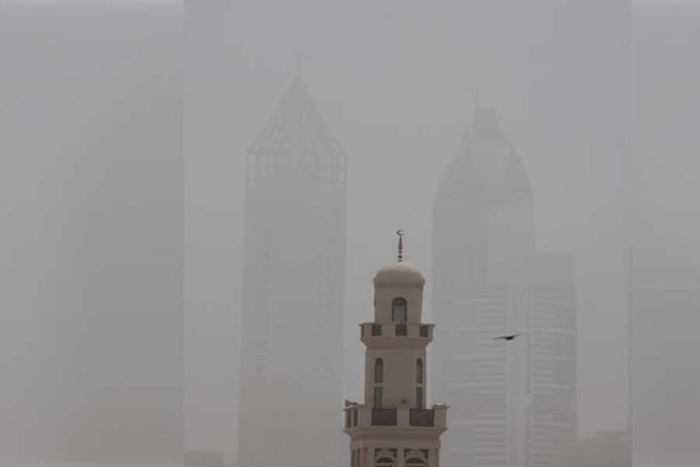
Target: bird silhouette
(508, 338)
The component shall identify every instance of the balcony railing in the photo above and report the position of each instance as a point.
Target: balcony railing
(370, 330)
(360, 416)
(384, 417)
(421, 417)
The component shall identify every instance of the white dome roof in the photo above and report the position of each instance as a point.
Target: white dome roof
(399, 273)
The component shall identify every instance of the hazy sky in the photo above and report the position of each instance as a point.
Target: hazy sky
(397, 84)
(91, 183)
(92, 152)
(666, 372)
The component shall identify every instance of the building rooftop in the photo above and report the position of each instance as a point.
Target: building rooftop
(486, 169)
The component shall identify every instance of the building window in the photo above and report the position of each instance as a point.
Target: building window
(378, 393)
(398, 310)
(419, 371)
(415, 462)
(419, 397)
(379, 370)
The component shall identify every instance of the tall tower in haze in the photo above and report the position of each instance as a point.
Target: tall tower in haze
(293, 297)
(513, 403)
(393, 427)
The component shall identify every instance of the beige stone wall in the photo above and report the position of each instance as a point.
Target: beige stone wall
(399, 376)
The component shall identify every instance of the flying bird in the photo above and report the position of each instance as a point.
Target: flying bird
(508, 338)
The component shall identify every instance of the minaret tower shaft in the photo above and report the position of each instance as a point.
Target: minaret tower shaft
(393, 427)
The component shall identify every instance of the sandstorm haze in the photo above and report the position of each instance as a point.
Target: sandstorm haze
(92, 238)
(126, 130)
(399, 97)
(666, 255)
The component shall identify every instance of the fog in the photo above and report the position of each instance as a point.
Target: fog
(92, 236)
(152, 273)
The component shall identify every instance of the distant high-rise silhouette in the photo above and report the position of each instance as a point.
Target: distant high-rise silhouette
(513, 402)
(292, 340)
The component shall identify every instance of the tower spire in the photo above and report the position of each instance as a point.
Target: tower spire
(400, 234)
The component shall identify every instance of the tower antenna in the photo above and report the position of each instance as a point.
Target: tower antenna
(400, 234)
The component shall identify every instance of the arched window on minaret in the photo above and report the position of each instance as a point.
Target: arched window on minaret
(419, 384)
(415, 462)
(398, 310)
(379, 371)
(378, 395)
(378, 380)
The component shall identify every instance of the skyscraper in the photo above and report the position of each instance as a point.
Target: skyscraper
(293, 289)
(512, 402)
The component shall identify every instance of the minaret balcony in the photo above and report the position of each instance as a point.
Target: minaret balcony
(369, 331)
(362, 417)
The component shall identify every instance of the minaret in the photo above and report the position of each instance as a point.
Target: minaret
(393, 427)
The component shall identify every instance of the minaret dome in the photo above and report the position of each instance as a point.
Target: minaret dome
(398, 290)
(399, 274)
